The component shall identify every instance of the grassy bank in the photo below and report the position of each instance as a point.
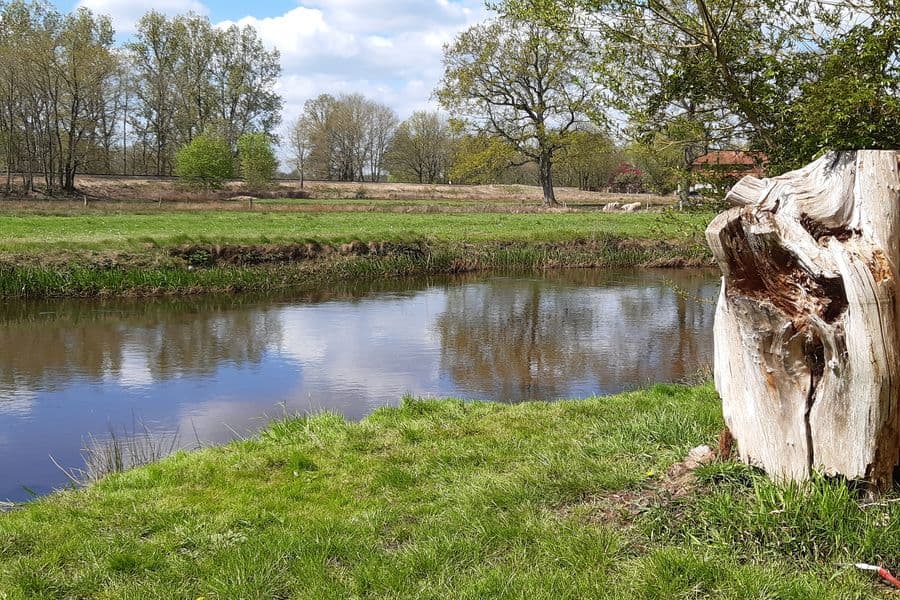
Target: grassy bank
(137, 231)
(207, 251)
(445, 499)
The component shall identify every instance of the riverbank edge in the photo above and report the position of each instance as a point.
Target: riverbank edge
(230, 268)
(568, 499)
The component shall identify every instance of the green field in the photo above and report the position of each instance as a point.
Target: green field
(30, 232)
(110, 251)
(446, 499)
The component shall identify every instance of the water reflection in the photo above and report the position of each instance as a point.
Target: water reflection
(210, 366)
(587, 332)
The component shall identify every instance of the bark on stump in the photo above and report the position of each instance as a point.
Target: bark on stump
(807, 340)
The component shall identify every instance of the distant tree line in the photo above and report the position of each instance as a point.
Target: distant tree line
(527, 96)
(351, 138)
(73, 102)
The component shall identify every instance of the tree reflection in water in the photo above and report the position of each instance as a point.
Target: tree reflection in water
(215, 365)
(584, 332)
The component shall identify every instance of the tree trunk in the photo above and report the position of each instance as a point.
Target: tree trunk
(545, 166)
(807, 343)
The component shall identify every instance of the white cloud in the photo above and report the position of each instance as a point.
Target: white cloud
(126, 13)
(17, 403)
(388, 50)
(134, 372)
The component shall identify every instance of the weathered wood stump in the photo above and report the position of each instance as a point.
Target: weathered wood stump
(807, 332)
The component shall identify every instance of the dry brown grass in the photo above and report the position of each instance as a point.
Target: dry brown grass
(168, 189)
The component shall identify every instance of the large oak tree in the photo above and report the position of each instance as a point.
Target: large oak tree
(523, 82)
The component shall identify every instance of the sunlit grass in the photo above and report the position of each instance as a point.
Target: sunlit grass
(447, 499)
(28, 232)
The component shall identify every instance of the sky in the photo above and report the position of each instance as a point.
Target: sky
(389, 50)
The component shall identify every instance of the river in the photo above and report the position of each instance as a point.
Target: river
(210, 368)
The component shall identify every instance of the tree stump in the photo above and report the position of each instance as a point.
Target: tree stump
(807, 341)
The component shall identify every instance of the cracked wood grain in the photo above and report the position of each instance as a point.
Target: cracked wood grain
(807, 343)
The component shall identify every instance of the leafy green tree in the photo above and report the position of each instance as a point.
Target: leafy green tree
(483, 159)
(666, 155)
(207, 160)
(589, 160)
(739, 68)
(258, 162)
(523, 82)
(855, 102)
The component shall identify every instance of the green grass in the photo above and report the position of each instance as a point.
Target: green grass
(35, 233)
(143, 254)
(446, 499)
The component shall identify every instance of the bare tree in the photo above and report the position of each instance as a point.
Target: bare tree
(345, 138)
(421, 149)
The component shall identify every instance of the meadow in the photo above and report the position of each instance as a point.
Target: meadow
(132, 230)
(439, 499)
(63, 248)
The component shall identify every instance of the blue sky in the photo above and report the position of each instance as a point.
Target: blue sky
(389, 50)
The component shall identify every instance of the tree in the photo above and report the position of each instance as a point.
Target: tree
(420, 150)
(85, 67)
(258, 162)
(482, 158)
(71, 101)
(854, 103)
(346, 138)
(667, 153)
(154, 54)
(589, 160)
(206, 160)
(244, 76)
(735, 67)
(190, 76)
(522, 82)
(300, 141)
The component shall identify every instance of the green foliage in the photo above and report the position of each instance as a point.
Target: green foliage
(482, 159)
(588, 160)
(855, 101)
(206, 160)
(786, 77)
(258, 162)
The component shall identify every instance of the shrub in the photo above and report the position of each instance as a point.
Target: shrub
(258, 162)
(206, 160)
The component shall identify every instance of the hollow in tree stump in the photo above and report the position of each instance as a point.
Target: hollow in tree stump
(807, 332)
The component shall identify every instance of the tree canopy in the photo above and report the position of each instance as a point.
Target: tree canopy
(343, 138)
(523, 82)
(421, 149)
(71, 101)
(786, 77)
(258, 162)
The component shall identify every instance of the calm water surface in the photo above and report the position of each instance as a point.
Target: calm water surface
(210, 367)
